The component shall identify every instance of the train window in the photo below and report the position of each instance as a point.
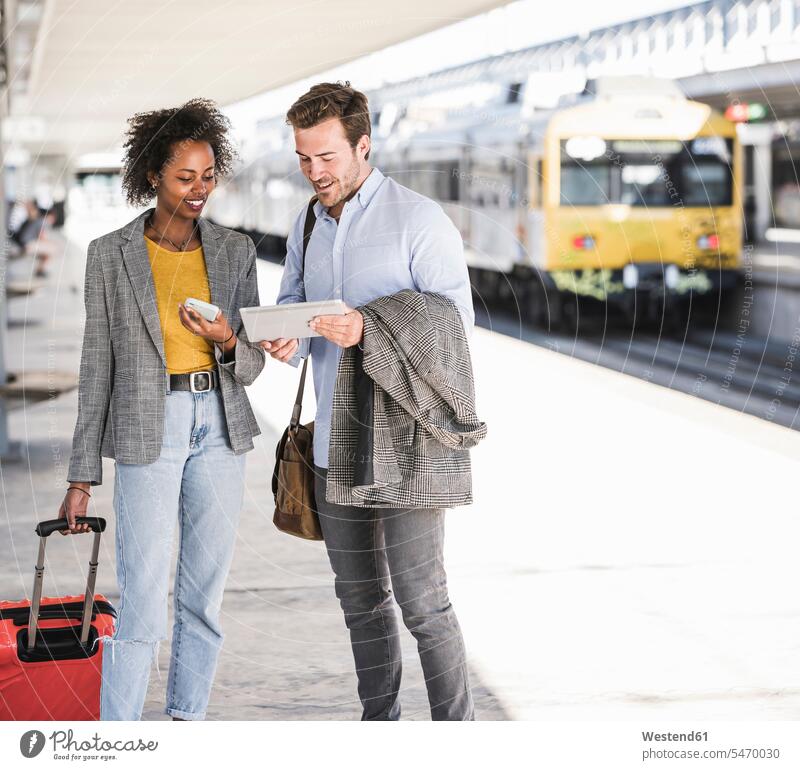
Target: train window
(642, 185)
(439, 181)
(535, 186)
(585, 183)
(421, 180)
(663, 173)
(514, 93)
(447, 182)
(706, 184)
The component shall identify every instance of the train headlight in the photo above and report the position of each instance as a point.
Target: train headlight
(708, 241)
(672, 276)
(585, 147)
(630, 276)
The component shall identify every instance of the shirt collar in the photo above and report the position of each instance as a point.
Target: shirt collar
(364, 195)
(369, 187)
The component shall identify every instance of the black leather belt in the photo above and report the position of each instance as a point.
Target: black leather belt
(197, 382)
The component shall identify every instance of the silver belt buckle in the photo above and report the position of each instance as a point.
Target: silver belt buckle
(208, 382)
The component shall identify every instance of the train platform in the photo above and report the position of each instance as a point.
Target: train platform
(630, 553)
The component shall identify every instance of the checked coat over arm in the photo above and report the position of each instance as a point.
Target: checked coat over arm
(404, 416)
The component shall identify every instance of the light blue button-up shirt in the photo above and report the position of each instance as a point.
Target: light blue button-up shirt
(388, 238)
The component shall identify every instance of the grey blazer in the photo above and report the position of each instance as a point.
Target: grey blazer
(123, 376)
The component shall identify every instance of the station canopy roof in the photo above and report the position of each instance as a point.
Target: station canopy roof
(80, 68)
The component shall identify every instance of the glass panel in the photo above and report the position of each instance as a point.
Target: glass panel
(585, 184)
(643, 185)
(646, 173)
(706, 184)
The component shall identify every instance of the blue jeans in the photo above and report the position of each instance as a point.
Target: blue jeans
(199, 482)
(377, 551)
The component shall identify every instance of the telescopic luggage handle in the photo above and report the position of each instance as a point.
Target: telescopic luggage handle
(44, 529)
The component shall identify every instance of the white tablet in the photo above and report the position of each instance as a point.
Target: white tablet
(287, 321)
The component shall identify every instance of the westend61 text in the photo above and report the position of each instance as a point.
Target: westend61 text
(692, 736)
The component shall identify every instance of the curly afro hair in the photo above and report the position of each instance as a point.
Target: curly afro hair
(151, 136)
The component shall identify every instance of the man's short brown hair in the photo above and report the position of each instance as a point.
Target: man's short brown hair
(333, 100)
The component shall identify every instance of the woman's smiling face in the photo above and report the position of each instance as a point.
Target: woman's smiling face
(186, 179)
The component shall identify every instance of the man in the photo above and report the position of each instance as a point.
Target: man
(373, 237)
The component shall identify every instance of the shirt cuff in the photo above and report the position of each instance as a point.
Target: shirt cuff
(303, 349)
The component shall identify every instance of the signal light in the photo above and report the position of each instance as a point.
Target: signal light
(583, 242)
(744, 112)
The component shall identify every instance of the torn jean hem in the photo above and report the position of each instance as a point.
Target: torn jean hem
(123, 685)
(112, 644)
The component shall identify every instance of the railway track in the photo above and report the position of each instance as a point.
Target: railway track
(742, 371)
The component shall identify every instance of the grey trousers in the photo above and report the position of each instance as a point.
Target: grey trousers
(377, 551)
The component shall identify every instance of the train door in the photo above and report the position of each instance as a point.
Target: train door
(536, 231)
(532, 271)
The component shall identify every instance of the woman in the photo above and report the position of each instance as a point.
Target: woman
(162, 392)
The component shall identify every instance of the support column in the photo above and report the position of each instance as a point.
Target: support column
(760, 137)
(762, 171)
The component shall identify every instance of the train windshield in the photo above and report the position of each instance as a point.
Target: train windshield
(597, 171)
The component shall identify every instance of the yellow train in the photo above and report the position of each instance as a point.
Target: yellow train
(639, 196)
(627, 193)
(631, 194)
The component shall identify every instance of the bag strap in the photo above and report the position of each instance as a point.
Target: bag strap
(308, 229)
(298, 402)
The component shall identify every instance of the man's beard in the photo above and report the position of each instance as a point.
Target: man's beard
(348, 183)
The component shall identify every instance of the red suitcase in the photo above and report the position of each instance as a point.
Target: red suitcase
(50, 649)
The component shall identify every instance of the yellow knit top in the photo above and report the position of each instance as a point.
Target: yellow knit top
(178, 275)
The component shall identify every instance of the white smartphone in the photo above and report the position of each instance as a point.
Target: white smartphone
(206, 309)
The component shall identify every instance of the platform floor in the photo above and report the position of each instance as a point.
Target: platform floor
(631, 552)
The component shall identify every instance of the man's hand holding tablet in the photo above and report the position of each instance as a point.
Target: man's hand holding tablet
(345, 327)
(343, 330)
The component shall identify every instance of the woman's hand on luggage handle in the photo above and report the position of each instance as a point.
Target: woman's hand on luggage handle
(75, 504)
(280, 349)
